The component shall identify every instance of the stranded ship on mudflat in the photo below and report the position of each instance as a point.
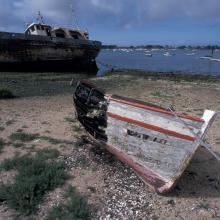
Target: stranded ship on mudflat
(43, 47)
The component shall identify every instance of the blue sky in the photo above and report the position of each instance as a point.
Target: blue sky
(124, 22)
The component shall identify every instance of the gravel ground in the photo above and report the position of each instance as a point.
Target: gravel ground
(112, 188)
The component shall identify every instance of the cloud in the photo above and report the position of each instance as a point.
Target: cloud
(106, 5)
(127, 14)
(122, 14)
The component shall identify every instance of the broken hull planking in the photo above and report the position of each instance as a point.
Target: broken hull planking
(157, 143)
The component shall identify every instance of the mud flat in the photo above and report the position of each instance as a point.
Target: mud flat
(44, 107)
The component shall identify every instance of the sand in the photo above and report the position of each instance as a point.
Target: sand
(110, 186)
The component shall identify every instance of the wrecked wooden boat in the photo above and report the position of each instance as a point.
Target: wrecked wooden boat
(49, 48)
(157, 143)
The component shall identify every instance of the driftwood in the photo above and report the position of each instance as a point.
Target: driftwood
(156, 142)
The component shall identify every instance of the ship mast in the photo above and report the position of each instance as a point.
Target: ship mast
(73, 15)
(40, 18)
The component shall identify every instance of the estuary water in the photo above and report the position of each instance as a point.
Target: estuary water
(180, 61)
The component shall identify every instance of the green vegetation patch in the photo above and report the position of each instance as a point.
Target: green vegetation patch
(2, 144)
(76, 207)
(217, 141)
(77, 128)
(68, 119)
(171, 76)
(18, 145)
(23, 137)
(55, 141)
(82, 161)
(155, 217)
(161, 95)
(204, 205)
(103, 154)
(82, 141)
(36, 175)
(10, 122)
(47, 153)
(6, 94)
(27, 137)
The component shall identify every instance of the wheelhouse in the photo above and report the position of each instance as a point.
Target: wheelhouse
(38, 29)
(69, 33)
(42, 29)
(46, 30)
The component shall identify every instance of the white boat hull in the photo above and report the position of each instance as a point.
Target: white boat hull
(157, 143)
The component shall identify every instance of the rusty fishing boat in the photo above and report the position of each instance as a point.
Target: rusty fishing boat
(47, 47)
(156, 142)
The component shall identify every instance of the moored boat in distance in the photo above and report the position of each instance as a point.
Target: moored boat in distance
(157, 143)
(215, 59)
(148, 54)
(190, 54)
(46, 47)
(168, 54)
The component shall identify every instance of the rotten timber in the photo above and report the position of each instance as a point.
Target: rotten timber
(157, 143)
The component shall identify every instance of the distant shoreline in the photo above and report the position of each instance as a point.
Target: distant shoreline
(166, 47)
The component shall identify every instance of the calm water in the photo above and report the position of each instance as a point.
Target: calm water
(180, 62)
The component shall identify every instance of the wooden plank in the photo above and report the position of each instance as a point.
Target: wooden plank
(154, 118)
(159, 162)
(176, 143)
(158, 144)
(136, 103)
(172, 116)
(152, 127)
(161, 158)
(147, 134)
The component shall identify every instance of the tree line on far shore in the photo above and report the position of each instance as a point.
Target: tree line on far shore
(188, 47)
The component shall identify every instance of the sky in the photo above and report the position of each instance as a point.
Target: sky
(123, 22)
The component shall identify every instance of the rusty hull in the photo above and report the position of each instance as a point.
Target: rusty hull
(30, 52)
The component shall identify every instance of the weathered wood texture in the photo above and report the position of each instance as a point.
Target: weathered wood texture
(169, 122)
(158, 144)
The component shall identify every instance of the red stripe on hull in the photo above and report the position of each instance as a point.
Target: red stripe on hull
(151, 127)
(152, 108)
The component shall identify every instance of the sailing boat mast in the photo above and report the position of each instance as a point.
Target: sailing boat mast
(73, 15)
(40, 18)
